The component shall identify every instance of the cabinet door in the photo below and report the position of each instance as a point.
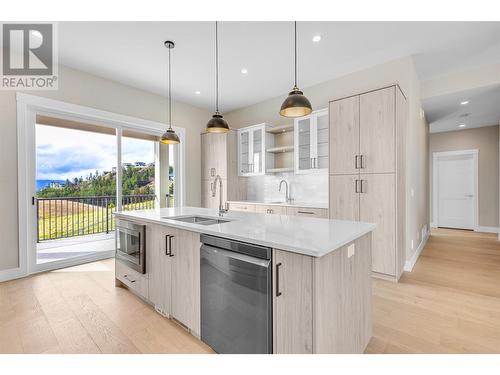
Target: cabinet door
(160, 268)
(292, 310)
(344, 135)
(213, 155)
(303, 144)
(244, 150)
(321, 141)
(344, 200)
(258, 151)
(377, 205)
(377, 131)
(185, 258)
(207, 200)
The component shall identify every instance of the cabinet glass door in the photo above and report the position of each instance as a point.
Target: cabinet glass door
(303, 149)
(244, 151)
(321, 135)
(256, 162)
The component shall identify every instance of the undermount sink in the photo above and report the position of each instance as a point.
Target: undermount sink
(202, 220)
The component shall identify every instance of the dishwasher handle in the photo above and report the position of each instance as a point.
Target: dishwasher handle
(278, 293)
(234, 255)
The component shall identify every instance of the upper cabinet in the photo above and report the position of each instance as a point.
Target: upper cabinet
(252, 150)
(214, 155)
(311, 142)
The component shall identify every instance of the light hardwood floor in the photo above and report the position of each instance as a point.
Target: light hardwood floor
(450, 303)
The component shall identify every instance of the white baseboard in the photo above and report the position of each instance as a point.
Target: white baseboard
(486, 229)
(409, 264)
(11, 274)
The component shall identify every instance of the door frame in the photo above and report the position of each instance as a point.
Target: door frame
(28, 106)
(436, 156)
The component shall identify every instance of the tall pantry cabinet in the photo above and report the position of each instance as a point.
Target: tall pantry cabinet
(218, 157)
(367, 171)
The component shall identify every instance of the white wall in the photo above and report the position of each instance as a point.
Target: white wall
(84, 89)
(400, 71)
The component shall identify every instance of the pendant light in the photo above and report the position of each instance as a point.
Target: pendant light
(296, 104)
(169, 137)
(217, 124)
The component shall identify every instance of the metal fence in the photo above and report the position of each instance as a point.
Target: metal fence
(66, 217)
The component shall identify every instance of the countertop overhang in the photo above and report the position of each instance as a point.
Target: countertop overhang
(308, 236)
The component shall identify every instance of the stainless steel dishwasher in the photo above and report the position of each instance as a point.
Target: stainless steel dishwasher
(236, 296)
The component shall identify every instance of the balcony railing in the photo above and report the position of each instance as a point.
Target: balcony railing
(77, 216)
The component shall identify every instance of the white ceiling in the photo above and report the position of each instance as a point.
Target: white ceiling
(133, 53)
(445, 113)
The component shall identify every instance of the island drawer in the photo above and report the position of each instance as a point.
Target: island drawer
(132, 279)
(308, 212)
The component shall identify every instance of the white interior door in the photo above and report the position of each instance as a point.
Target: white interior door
(456, 190)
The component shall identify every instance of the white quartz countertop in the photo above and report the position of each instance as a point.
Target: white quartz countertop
(303, 235)
(289, 204)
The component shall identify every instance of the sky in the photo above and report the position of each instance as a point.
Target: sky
(66, 153)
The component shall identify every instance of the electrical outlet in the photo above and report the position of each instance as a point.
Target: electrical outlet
(350, 250)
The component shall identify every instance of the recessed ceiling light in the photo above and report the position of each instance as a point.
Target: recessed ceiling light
(316, 38)
(244, 71)
(461, 126)
(197, 92)
(465, 102)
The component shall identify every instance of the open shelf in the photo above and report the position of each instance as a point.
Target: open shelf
(280, 170)
(280, 149)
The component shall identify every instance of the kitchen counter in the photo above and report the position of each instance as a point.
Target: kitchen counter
(284, 204)
(307, 236)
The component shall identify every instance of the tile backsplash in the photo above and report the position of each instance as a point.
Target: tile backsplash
(312, 187)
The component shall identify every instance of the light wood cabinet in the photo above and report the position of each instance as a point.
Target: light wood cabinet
(185, 281)
(377, 131)
(344, 199)
(311, 142)
(323, 305)
(174, 275)
(245, 207)
(344, 136)
(321, 213)
(293, 316)
(367, 176)
(377, 205)
(132, 279)
(213, 159)
(272, 209)
(207, 198)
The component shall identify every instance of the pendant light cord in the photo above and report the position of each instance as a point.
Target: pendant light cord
(216, 68)
(295, 42)
(169, 92)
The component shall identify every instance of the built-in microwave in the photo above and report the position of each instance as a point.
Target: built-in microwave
(131, 245)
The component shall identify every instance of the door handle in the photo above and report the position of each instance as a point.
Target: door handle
(278, 293)
(170, 245)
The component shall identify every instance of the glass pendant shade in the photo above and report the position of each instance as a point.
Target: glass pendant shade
(217, 124)
(169, 137)
(296, 104)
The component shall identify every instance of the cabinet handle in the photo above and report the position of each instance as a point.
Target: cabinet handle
(170, 245)
(356, 189)
(278, 293)
(362, 186)
(316, 163)
(211, 187)
(305, 212)
(356, 164)
(362, 161)
(166, 244)
(126, 277)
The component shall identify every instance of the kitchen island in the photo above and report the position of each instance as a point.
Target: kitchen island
(321, 299)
